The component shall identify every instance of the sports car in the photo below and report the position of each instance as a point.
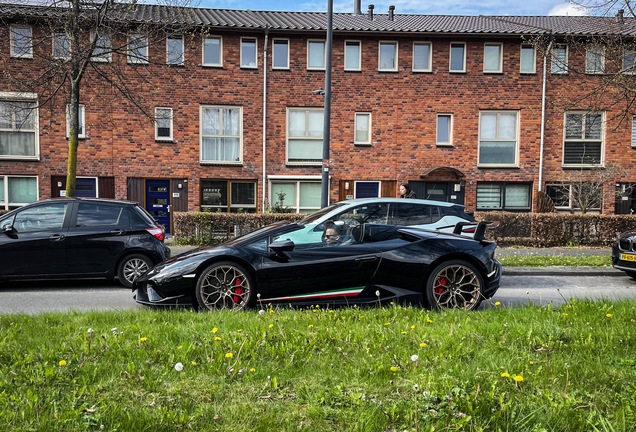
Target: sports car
(363, 264)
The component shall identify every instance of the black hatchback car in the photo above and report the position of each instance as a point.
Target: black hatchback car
(79, 238)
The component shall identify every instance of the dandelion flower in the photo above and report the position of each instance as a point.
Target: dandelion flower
(271, 311)
(239, 330)
(194, 363)
(531, 363)
(609, 315)
(261, 312)
(429, 321)
(143, 339)
(214, 330)
(394, 368)
(413, 326)
(391, 302)
(180, 346)
(311, 325)
(414, 357)
(178, 367)
(423, 344)
(271, 325)
(62, 363)
(217, 338)
(505, 375)
(497, 303)
(386, 323)
(252, 370)
(403, 332)
(229, 355)
(518, 378)
(565, 314)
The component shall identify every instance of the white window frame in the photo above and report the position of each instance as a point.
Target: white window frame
(359, 42)
(56, 38)
(12, 42)
(633, 131)
(565, 139)
(450, 56)
(25, 97)
(355, 129)
(590, 66)
(355, 188)
(430, 56)
(324, 54)
(240, 134)
(157, 137)
(450, 130)
(306, 137)
(534, 58)
(82, 119)
(273, 179)
(133, 58)
(558, 64)
(179, 63)
(106, 57)
(255, 39)
(220, 63)
(500, 59)
(396, 50)
(4, 205)
(287, 43)
(514, 164)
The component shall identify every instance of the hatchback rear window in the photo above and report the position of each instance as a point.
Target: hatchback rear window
(139, 216)
(99, 215)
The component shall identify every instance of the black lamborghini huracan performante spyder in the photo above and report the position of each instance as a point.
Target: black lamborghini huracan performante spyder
(329, 264)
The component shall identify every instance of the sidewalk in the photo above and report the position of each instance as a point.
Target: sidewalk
(522, 271)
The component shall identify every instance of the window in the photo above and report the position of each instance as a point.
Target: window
(163, 124)
(248, 53)
(80, 115)
(457, 57)
(137, 49)
(388, 56)
(629, 61)
(353, 55)
(18, 129)
(409, 214)
(316, 54)
(213, 51)
(21, 42)
(528, 61)
(444, 129)
(228, 196)
(174, 50)
(61, 46)
(504, 196)
(102, 50)
(422, 55)
(493, 54)
(633, 132)
(498, 134)
(304, 135)
(280, 53)
(571, 197)
(221, 134)
(366, 189)
(303, 196)
(583, 144)
(595, 59)
(17, 191)
(100, 215)
(363, 128)
(559, 59)
(40, 218)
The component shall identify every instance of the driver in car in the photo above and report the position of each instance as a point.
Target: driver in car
(336, 234)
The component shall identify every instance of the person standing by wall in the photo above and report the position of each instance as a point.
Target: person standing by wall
(406, 192)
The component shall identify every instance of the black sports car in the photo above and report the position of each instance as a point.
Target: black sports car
(287, 263)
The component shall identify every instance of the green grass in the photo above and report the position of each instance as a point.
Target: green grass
(546, 261)
(321, 370)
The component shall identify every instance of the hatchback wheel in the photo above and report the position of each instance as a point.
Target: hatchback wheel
(132, 267)
(455, 284)
(225, 285)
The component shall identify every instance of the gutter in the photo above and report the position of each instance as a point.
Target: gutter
(264, 181)
(543, 97)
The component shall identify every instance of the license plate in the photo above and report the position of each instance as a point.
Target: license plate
(627, 257)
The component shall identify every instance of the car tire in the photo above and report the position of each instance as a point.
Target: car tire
(131, 267)
(454, 284)
(225, 285)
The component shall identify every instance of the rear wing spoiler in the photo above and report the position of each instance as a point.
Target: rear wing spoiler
(479, 230)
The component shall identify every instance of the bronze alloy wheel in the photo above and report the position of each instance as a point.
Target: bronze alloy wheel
(224, 285)
(455, 285)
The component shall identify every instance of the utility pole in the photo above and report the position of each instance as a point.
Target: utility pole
(324, 193)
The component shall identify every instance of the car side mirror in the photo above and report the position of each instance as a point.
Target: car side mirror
(8, 228)
(282, 246)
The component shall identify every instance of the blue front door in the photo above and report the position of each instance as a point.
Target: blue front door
(158, 201)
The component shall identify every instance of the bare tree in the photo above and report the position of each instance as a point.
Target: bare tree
(104, 39)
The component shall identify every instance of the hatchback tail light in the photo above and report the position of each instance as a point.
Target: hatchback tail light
(156, 233)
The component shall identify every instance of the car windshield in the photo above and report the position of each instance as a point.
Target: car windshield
(256, 233)
(320, 213)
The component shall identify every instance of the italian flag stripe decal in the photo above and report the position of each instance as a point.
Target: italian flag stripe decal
(319, 295)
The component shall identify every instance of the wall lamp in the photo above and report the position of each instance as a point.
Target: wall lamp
(320, 91)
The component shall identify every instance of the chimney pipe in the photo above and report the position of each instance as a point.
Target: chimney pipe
(357, 7)
(391, 10)
(619, 16)
(371, 12)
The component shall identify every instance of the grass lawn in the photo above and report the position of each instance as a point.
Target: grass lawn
(546, 261)
(571, 368)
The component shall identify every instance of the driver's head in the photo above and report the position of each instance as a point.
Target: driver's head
(332, 235)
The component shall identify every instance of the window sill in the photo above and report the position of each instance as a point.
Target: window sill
(316, 69)
(493, 73)
(583, 166)
(219, 163)
(353, 70)
(81, 138)
(19, 158)
(164, 141)
(419, 71)
(497, 166)
(175, 64)
(138, 63)
(457, 72)
(363, 144)
(388, 70)
(250, 67)
(443, 145)
(280, 69)
(528, 73)
(212, 66)
(303, 164)
(23, 57)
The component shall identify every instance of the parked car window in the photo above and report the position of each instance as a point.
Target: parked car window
(412, 214)
(41, 218)
(376, 213)
(98, 215)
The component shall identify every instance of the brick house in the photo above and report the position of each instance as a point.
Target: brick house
(451, 104)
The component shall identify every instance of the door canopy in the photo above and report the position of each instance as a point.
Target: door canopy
(438, 170)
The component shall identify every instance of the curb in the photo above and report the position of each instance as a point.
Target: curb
(561, 271)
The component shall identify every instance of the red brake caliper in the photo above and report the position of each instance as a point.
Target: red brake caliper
(238, 290)
(442, 282)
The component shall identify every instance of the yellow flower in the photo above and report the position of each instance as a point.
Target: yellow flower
(609, 315)
(252, 370)
(62, 362)
(214, 330)
(387, 323)
(217, 338)
(166, 323)
(429, 321)
(271, 325)
(518, 378)
(394, 369)
(497, 303)
(194, 363)
(505, 375)
(423, 344)
(531, 363)
(180, 346)
(229, 355)
(239, 330)
(391, 302)
(565, 314)
(311, 325)
(412, 327)
(143, 339)
(330, 311)
(271, 311)
(403, 332)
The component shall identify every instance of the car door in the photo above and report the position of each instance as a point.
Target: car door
(36, 244)
(98, 234)
(317, 271)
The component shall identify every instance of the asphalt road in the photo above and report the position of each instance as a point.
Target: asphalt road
(37, 297)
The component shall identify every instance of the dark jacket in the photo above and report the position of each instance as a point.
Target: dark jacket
(409, 194)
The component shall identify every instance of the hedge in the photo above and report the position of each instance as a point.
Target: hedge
(519, 229)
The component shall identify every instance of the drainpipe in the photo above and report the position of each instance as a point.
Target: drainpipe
(545, 68)
(264, 182)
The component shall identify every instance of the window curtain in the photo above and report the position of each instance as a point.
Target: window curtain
(316, 55)
(352, 55)
(362, 128)
(488, 195)
(420, 56)
(22, 190)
